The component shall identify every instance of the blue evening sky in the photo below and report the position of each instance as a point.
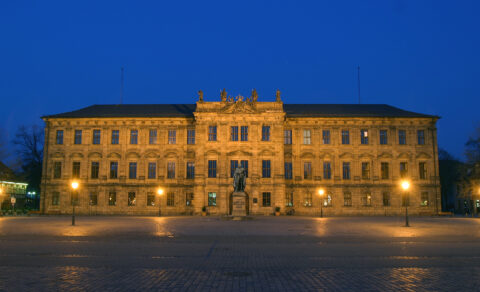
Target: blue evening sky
(424, 56)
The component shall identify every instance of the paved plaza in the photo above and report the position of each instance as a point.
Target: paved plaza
(263, 254)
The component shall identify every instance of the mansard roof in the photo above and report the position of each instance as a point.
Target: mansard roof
(291, 110)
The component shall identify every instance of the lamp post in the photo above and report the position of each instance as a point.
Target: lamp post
(321, 192)
(159, 193)
(74, 200)
(405, 187)
(1, 201)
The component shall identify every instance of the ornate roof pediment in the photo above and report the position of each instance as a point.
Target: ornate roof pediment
(239, 105)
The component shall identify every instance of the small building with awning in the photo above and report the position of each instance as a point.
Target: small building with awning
(13, 191)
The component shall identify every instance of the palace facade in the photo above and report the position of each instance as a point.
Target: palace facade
(358, 154)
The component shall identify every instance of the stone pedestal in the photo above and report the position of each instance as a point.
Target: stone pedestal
(239, 204)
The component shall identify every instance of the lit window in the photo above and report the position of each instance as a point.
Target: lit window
(288, 137)
(364, 137)
(307, 138)
(152, 136)
(112, 198)
(212, 199)
(132, 199)
(424, 199)
(307, 200)
(189, 199)
(347, 199)
(367, 199)
(327, 201)
(289, 199)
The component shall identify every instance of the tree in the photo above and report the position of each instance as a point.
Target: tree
(29, 147)
(451, 171)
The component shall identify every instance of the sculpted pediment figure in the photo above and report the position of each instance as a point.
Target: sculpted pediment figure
(239, 105)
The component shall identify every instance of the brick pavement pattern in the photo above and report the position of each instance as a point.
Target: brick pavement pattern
(263, 254)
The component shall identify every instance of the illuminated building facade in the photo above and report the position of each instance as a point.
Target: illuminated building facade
(121, 155)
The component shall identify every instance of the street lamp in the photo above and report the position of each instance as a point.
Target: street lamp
(321, 192)
(1, 201)
(159, 193)
(405, 187)
(74, 200)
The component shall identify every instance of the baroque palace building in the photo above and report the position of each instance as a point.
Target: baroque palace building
(121, 154)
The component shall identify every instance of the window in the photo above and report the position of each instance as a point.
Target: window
(346, 170)
(189, 199)
(191, 136)
(327, 201)
(172, 137)
(150, 199)
(383, 137)
(152, 170)
(364, 137)
(424, 199)
(326, 136)
(345, 137)
(112, 198)
(212, 133)
(421, 137)
(422, 169)
(212, 168)
(403, 169)
(132, 199)
(307, 200)
(76, 169)
(132, 170)
(367, 200)
(327, 170)
(59, 138)
(289, 199)
(95, 169)
(347, 199)
(244, 164)
(96, 137)
(288, 170)
(365, 170)
(287, 134)
(57, 169)
(307, 170)
(115, 136)
(402, 137)
(93, 199)
(190, 170)
(78, 137)
(266, 199)
(152, 138)
(234, 133)
(386, 199)
(307, 137)
(133, 136)
(55, 198)
(171, 169)
(212, 199)
(265, 168)
(113, 169)
(244, 133)
(265, 133)
(233, 166)
(384, 170)
(170, 199)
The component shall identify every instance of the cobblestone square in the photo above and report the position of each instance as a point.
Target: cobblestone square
(283, 253)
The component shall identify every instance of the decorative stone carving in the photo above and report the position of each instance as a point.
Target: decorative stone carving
(200, 96)
(278, 96)
(223, 95)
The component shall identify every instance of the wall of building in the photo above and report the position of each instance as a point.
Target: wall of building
(254, 150)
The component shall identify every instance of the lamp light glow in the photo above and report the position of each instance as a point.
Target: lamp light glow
(74, 185)
(405, 185)
(160, 191)
(321, 192)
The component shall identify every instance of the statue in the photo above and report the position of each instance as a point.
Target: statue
(223, 95)
(239, 179)
(254, 95)
(200, 96)
(278, 96)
